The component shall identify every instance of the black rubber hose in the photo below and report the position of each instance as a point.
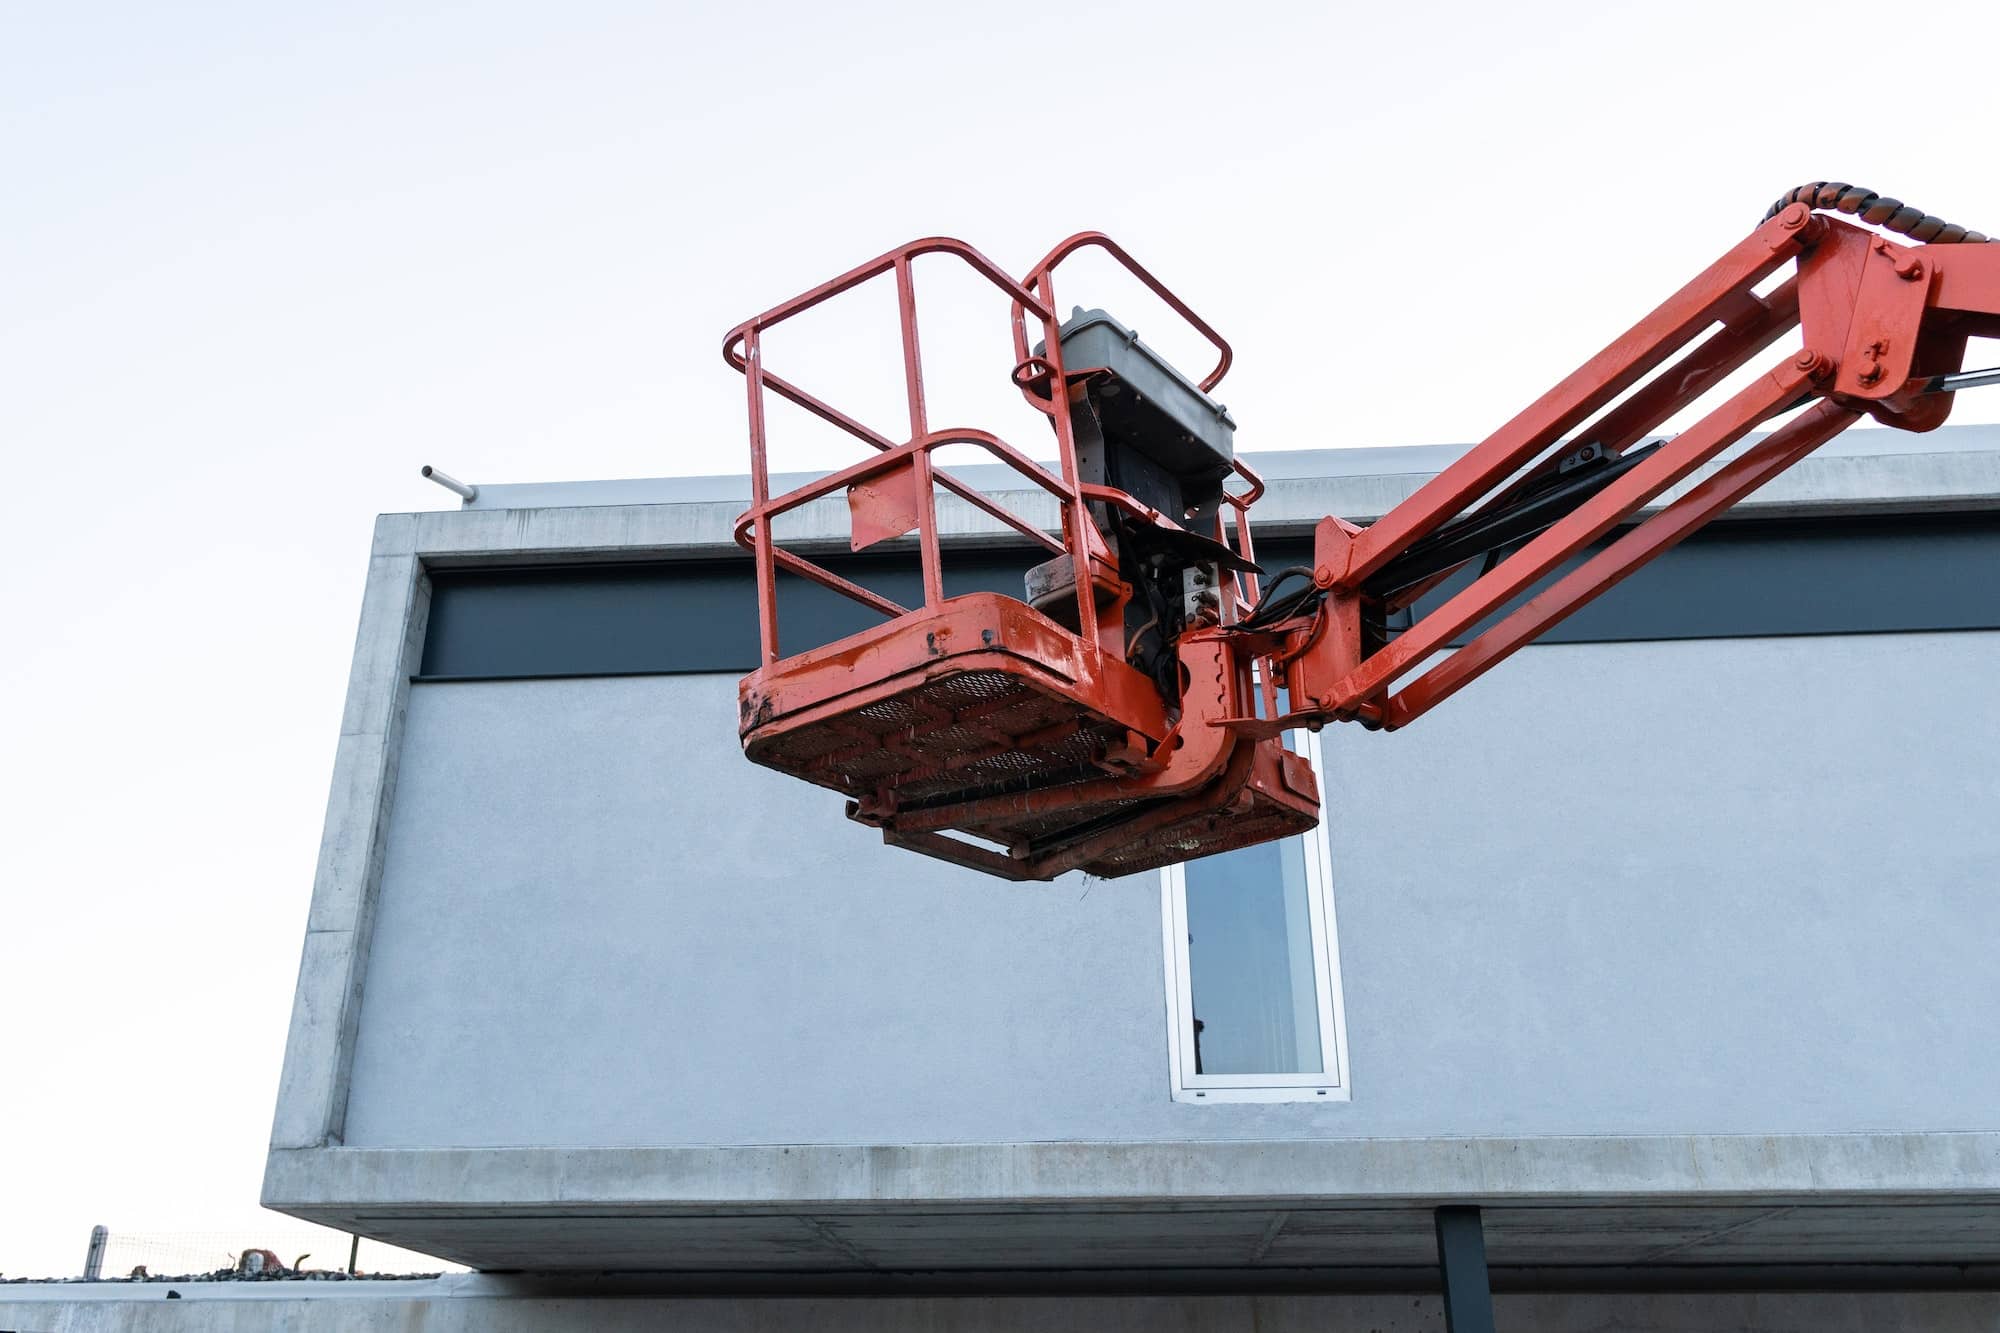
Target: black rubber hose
(1468, 538)
(1271, 608)
(1877, 211)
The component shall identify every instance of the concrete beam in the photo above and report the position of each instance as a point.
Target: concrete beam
(1599, 1169)
(395, 607)
(474, 1302)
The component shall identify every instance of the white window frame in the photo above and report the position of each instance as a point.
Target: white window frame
(1329, 1085)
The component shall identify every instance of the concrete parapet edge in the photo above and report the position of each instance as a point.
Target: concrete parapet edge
(1576, 1170)
(1908, 481)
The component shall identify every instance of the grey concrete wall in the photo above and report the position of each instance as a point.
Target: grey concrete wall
(479, 1303)
(1713, 887)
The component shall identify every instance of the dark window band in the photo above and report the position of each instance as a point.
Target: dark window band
(1852, 576)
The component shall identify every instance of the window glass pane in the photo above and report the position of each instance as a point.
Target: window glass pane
(1250, 962)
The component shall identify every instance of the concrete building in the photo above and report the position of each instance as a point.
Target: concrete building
(1670, 946)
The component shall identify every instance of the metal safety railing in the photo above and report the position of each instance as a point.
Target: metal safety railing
(742, 348)
(1039, 375)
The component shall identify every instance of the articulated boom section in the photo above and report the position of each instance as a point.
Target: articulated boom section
(1129, 709)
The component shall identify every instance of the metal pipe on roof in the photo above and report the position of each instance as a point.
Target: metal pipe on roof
(451, 483)
(93, 1259)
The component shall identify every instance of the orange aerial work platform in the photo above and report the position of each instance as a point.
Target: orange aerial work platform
(1135, 715)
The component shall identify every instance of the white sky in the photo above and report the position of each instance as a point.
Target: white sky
(258, 263)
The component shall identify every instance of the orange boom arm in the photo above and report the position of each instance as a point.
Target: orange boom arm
(1128, 711)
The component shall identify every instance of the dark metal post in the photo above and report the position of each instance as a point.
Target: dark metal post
(1468, 1296)
(353, 1253)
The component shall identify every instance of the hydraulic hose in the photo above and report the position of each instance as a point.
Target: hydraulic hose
(1877, 211)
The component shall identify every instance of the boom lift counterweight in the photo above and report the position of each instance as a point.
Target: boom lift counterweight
(1129, 710)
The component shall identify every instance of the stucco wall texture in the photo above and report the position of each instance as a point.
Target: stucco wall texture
(1705, 887)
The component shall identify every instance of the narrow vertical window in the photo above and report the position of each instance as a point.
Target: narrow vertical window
(1253, 973)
